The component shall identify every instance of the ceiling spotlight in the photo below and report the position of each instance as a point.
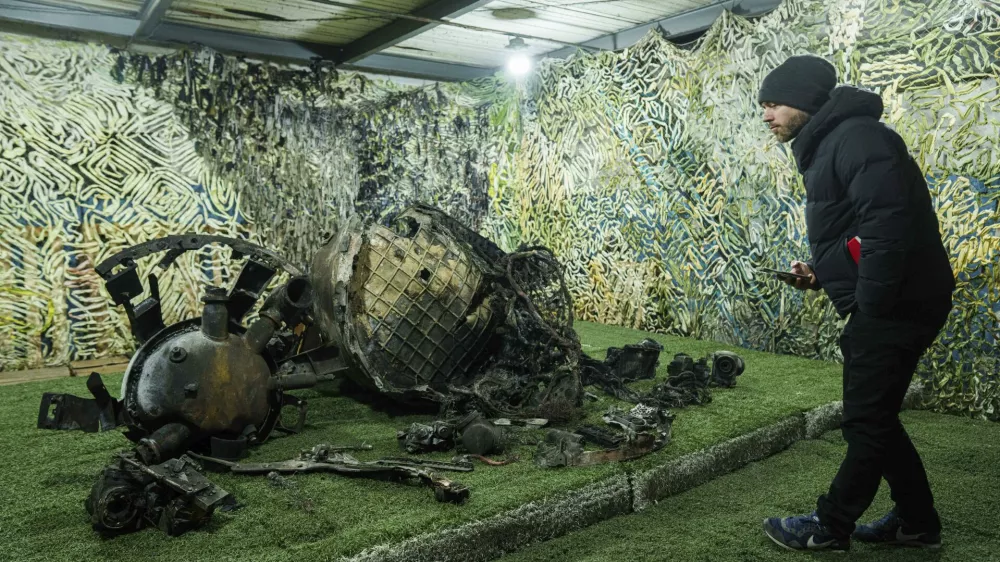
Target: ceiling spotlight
(518, 62)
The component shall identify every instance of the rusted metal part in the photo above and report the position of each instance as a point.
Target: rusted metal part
(209, 380)
(640, 446)
(687, 382)
(486, 460)
(411, 310)
(572, 344)
(559, 448)
(445, 490)
(453, 466)
(207, 377)
(65, 411)
(529, 423)
(178, 244)
(145, 318)
(423, 438)
(641, 418)
(184, 375)
(173, 496)
(562, 448)
(323, 451)
(471, 432)
(726, 366)
(480, 436)
(600, 436)
(636, 361)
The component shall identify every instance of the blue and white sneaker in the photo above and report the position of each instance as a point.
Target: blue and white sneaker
(891, 529)
(804, 532)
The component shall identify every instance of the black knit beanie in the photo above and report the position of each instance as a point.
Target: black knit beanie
(803, 82)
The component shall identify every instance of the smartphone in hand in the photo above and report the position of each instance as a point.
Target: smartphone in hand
(787, 276)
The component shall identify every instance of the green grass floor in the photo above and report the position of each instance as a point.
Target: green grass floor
(45, 475)
(721, 520)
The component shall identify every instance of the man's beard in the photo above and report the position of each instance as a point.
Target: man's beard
(794, 127)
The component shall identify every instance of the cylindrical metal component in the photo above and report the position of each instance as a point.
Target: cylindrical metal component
(479, 436)
(163, 443)
(298, 294)
(291, 299)
(215, 316)
(260, 332)
(292, 382)
(115, 503)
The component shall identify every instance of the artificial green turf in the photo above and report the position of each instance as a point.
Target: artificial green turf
(721, 520)
(46, 474)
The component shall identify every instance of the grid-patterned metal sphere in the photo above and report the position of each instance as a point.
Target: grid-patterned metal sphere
(408, 303)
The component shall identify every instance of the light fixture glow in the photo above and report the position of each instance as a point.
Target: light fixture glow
(518, 64)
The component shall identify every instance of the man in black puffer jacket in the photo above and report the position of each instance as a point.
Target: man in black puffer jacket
(877, 252)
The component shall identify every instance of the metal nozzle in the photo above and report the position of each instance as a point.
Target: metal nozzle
(215, 316)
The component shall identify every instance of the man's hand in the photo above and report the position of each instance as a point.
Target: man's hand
(802, 269)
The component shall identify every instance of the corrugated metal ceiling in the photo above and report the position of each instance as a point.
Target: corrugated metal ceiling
(562, 21)
(304, 20)
(568, 21)
(449, 39)
(87, 6)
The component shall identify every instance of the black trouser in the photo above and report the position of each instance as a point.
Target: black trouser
(880, 356)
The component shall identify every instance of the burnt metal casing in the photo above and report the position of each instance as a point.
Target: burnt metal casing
(199, 376)
(208, 376)
(407, 303)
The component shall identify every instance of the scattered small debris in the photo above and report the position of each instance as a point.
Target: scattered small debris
(279, 481)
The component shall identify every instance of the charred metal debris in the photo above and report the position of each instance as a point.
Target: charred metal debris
(324, 458)
(420, 310)
(172, 496)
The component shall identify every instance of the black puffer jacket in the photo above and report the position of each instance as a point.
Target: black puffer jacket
(861, 181)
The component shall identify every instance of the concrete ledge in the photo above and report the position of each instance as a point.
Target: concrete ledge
(533, 522)
(822, 419)
(700, 467)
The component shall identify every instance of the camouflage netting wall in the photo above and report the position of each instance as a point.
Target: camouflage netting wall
(648, 171)
(87, 168)
(102, 150)
(651, 174)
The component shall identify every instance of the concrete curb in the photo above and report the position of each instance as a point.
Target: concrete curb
(493, 537)
(697, 468)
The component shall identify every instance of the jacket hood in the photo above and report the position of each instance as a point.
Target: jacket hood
(845, 102)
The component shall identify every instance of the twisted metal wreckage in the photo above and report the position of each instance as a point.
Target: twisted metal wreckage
(421, 310)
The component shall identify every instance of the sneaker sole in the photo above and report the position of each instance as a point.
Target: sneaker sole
(786, 547)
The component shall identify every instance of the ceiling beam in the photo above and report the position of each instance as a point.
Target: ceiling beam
(402, 29)
(124, 26)
(150, 17)
(687, 23)
(419, 68)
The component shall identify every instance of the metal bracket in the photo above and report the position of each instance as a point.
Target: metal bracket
(146, 319)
